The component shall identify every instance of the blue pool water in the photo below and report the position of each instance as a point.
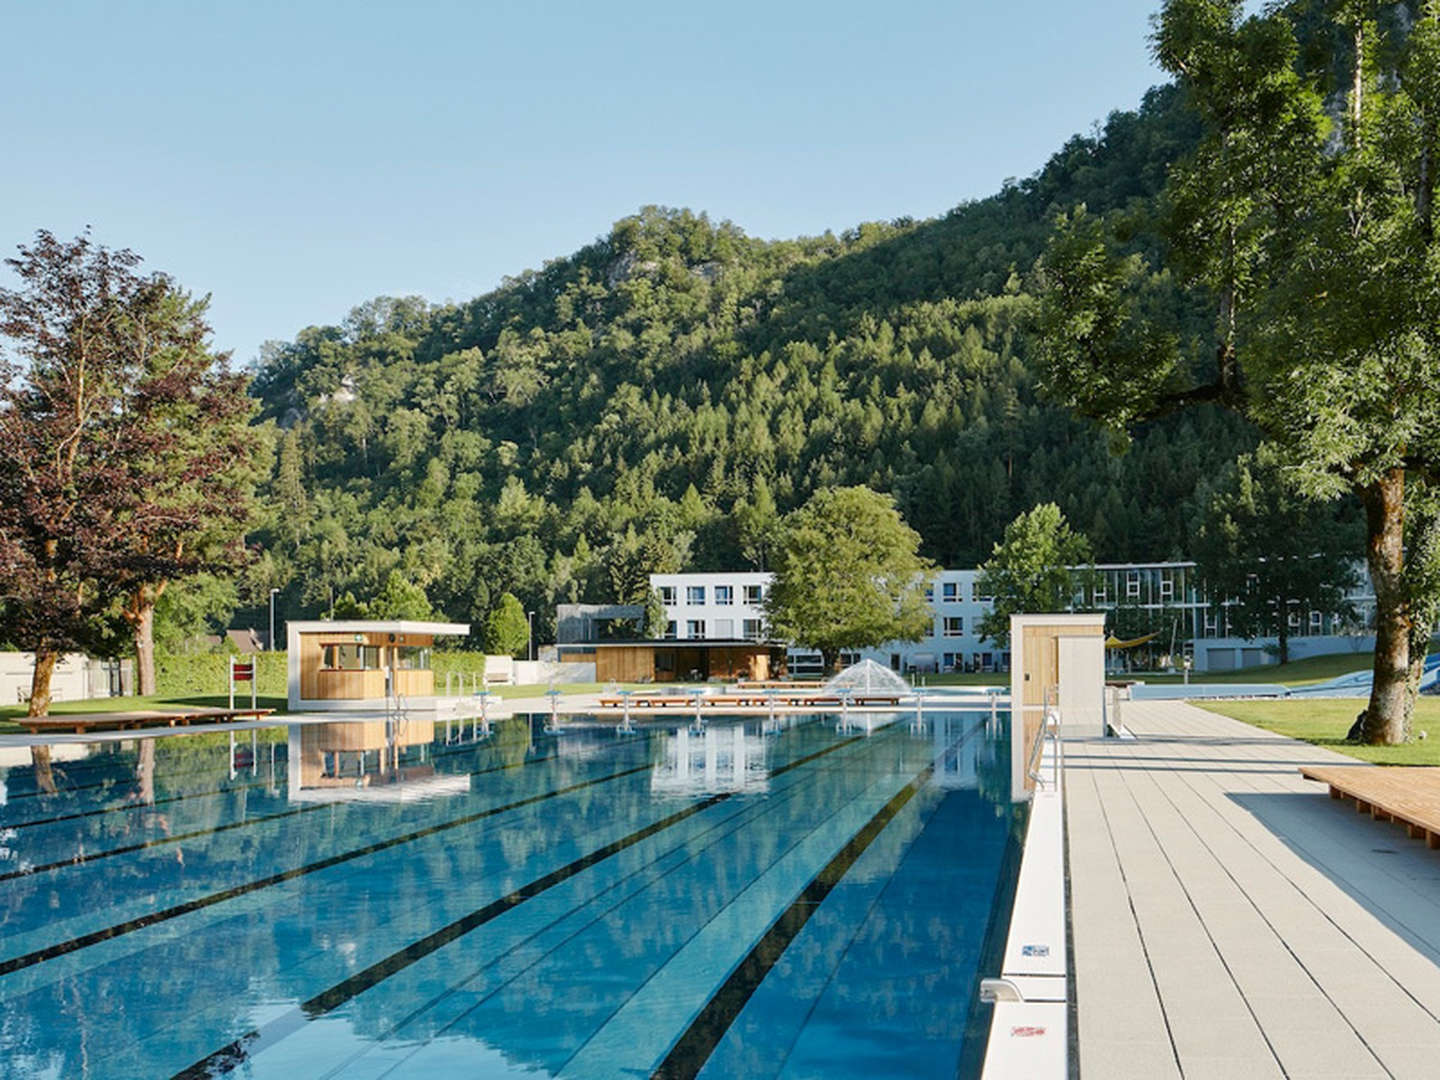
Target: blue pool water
(356, 900)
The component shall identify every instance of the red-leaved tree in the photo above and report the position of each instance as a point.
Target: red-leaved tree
(125, 455)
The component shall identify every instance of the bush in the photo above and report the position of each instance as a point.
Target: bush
(192, 674)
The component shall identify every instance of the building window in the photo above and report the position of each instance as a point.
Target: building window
(695, 628)
(754, 594)
(670, 633)
(1293, 619)
(351, 658)
(1317, 622)
(1132, 584)
(667, 595)
(1167, 587)
(954, 626)
(1212, 624)
(1100, 595)
(981, 597)
(754, 629)
(724, 595)
(847, 658)
(929, 593)
(949, 592)
(694, 594)
(724, 629)
(947, 661)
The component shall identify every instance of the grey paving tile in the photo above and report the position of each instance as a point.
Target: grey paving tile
(1245, 901)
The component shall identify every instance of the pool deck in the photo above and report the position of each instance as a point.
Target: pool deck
(1231, 920)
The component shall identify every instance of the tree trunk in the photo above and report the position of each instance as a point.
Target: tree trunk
(1385, 717)
(830, 660)
(1284, 637)
(143, 625)
(145, 771)
(40, 683)
(40, 706)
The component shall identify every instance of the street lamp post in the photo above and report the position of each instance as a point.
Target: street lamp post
(272, 618)
(530, 627)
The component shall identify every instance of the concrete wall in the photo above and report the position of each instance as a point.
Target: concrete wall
(1229, 653)
(77, 677)
(544, 672)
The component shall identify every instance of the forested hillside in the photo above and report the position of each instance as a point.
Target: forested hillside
(656, 399)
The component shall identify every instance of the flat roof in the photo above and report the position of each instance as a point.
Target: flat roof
(674, 643)
(377, 626)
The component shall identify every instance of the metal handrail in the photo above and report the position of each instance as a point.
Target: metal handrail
(1049, 709)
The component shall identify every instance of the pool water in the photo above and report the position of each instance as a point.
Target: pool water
(806, 898)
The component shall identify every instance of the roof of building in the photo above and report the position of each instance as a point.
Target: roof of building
(673, 643)
(378, 626)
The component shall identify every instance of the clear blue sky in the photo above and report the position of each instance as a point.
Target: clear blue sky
(295, 159)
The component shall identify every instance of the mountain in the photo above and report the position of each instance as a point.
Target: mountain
(655, 399)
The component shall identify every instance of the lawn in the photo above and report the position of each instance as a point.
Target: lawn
(8, 713)
(1325, 722)
(972, 678)
(1313, 669)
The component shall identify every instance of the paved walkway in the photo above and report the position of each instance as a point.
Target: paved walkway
(1230, 920)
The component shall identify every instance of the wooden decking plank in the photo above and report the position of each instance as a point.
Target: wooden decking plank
(1317, 886)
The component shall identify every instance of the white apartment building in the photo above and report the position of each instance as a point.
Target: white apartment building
(727, 606)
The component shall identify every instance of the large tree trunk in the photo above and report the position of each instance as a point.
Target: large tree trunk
(144, 626)
(1385, 717)
(1284, 635)
(40, 706)
(40, 683)
(139, 612)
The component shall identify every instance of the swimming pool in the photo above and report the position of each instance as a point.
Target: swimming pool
(798, 899)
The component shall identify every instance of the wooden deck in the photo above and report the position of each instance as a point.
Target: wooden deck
(103, 721)
(1408, 796)
(1230, 920)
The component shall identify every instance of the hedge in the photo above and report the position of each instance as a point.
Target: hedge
(194, 674)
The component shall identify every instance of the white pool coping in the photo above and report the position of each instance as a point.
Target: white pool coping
(1029, 1037)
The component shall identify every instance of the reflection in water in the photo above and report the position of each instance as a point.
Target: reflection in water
(958, 763)
(44, 774)
(386, 759)
(727, 757)
(499, 929)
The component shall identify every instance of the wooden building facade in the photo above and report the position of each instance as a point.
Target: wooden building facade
(678, 661)
(357, 664)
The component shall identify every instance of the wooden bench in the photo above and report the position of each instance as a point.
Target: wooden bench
(1408, 795)
(97, 721)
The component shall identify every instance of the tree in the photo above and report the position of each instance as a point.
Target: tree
(399, 598)
(848, 575)
(64, 440)
(194, 461)
(1272, 553)
(128, 457)
(1310, 230)
(192, 608)
(1033, 568)
(757, 525)
(507, 633)
(655, 620)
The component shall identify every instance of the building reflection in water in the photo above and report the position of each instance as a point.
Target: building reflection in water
(721, 758)
(958, 748)
(373, 760)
